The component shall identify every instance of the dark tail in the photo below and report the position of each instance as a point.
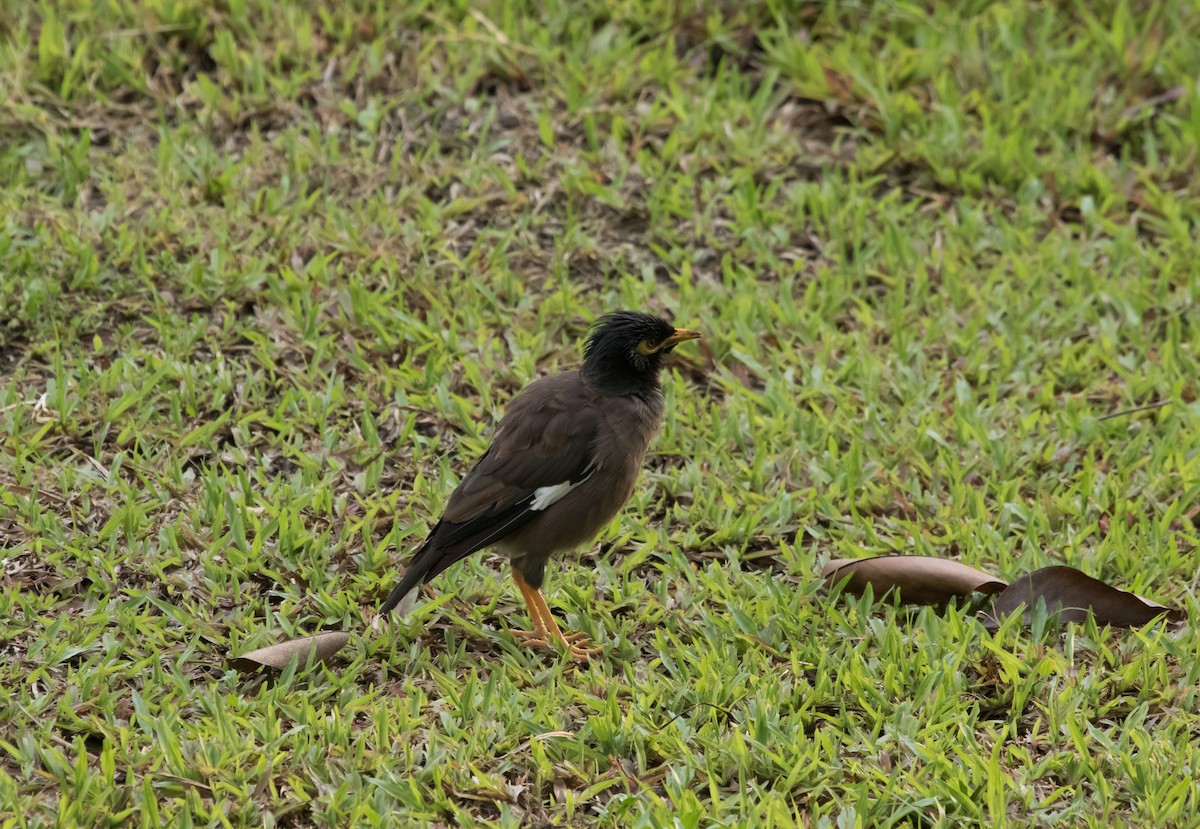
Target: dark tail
(436, 554)
(409, 583)
(449, 543)
(418, 572)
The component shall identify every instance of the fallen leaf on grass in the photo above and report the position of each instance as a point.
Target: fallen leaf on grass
(1071, 593)
(918, 579)
(321, 647)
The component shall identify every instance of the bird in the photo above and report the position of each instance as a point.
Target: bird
(563, 461)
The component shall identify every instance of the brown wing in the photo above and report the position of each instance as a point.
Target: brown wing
(545, 439)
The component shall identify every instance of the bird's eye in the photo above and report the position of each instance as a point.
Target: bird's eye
(646, 347)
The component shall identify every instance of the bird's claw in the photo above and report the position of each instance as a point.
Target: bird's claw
(582, 654)
(575, 643)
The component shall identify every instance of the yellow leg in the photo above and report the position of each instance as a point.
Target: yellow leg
(537, 636)
(545, 627)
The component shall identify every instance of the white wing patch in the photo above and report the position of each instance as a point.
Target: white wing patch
(545, 496)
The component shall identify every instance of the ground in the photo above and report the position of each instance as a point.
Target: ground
(270, 271)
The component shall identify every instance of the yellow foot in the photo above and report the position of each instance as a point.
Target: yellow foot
(545, 628)
(582, 654)
(532, 638)
(575, 643)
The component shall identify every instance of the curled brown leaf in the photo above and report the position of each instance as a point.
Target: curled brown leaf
(320, 647)
(1071, 594)
(919, 579)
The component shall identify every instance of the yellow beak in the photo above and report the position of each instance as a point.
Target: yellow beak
(680, 335)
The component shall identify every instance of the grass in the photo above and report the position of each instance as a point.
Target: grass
(269, 271)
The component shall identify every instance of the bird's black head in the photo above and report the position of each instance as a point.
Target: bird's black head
(624, 352)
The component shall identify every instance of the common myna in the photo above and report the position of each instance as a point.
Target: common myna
(563, 461)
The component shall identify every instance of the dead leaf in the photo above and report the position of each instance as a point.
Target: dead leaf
(919, 579)
(841, 85)
(1071, 593)
(321, 647)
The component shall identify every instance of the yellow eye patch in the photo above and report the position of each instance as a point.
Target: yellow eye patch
(644, 347)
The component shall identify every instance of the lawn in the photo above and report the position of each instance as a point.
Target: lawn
(270, 271)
